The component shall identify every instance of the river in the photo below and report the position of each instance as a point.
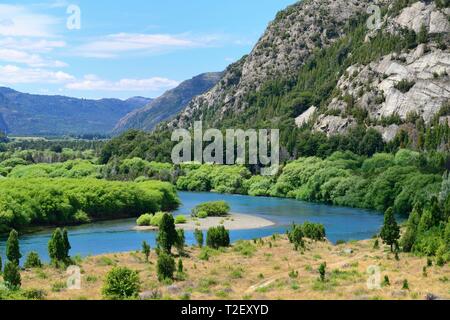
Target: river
(118, 236)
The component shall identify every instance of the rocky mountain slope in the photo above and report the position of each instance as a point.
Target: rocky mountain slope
(412, 83)
(28, 114)
(287, 43)
(405, 81)
(168, 105)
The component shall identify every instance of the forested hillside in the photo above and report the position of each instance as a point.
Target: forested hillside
(39, 115)
(168, 105)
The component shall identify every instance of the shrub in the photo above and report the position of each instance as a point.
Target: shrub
(295, 236)
(323, 271)
(12, 247)
(33, 261)
(202, 215)
(121, 283)
(165, 266)
(146, 250)
(145, 220)
(199, 237)
(157, 217)
(212, 209)
(180, 220)
(180, 242)
(245, 248)
(404, 85)
(11, 276)
(314, 231)
(218, 237)
(167, 236)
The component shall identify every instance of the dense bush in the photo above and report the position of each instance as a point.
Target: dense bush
(212, 209)
(121, 283)
(165, 266)
(218, 237)
(314, 231)
(25, 202)
(145, 220)
(11, 276)
(33, 261)
(222, 179)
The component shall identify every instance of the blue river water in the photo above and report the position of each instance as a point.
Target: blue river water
(118, 236)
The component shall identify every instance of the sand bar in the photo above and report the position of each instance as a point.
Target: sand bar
(234, 221)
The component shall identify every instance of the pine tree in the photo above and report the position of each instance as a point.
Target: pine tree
(146, 250)
(167, 236)
(56, 247)
(11, 276)
(13, 248)
(199, 237)
(66, 242)
(391, 231)
(180, 266)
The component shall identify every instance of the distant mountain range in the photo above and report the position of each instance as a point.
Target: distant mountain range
(168, 105)
(40, 115)
(25, 114)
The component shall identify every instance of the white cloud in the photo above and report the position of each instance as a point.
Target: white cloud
(92, 82)
(112, 45)
(11, 74)
(19, 21)
(34, 45)
(33, 60)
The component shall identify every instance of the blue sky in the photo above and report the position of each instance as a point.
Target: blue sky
(124, 48)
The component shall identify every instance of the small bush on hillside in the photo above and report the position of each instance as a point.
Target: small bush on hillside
(165, 266)
(121, 283)
(33, 261)
(218, 237)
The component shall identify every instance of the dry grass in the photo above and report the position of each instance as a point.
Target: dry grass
(269, 269)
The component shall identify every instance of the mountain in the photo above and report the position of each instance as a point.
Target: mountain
(318, 59)
(29, 114)
(329, 81)
(168, 105)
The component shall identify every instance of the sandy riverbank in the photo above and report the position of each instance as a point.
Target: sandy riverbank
(234, 221)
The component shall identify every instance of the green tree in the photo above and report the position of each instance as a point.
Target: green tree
(323, 271)
(165, 266)
(146, 250)
(1, 265)
(167, 236)
(422, 37)
(390, 233)
(180, 266)
(121, 283)
(66, 243)
(199, 237)
(218, 237)
(12, 247)
(33, 261)
(56, 247)
(295, 236)
(180, 243)
(11, 275)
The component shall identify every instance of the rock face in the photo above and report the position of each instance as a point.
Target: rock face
(409, 83)
(305, 117)
(168, 105)
(426, 73)
(422, 14)
(287, 43)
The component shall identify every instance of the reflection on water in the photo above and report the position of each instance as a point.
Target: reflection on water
(119, 236)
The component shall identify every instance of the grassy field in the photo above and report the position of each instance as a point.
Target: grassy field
(265, 269)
